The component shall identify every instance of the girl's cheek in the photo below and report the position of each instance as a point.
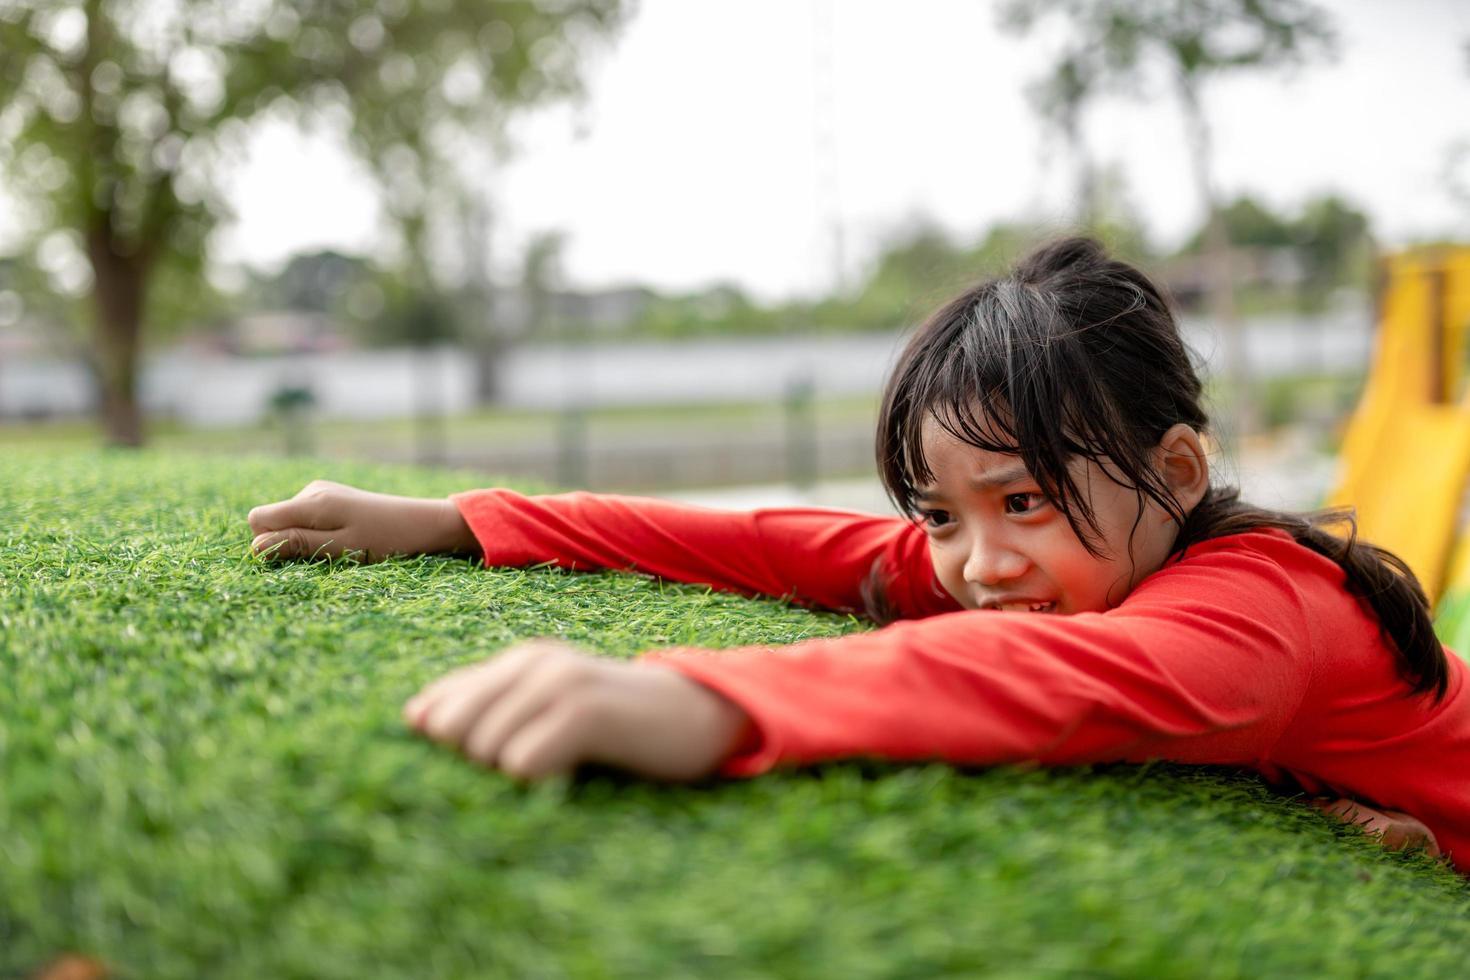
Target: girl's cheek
(949, 570)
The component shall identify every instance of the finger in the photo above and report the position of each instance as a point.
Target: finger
(417, 708)
(1394, 829)
(297, 512)
(454, 713)
(1345, 810)
(1399, 830)
(553, 743)
(296, 542)
(538, 689)
(455, 710)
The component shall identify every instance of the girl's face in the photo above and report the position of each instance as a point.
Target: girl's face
(997, 543)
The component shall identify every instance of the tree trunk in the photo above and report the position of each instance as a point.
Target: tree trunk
(1087, 203)
(431, 440)
(1240, 398)
(489, 350)
(118, 295)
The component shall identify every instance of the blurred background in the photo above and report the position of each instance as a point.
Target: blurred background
(672, 246)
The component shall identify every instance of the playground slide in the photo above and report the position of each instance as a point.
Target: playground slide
(1406, 454)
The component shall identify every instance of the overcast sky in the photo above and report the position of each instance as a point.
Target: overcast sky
(714, 147)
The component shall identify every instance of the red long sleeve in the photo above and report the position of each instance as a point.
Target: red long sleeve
(1249, 651)
(1207, 661)
(816, 556)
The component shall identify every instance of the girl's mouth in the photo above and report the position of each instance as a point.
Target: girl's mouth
(1036, 607)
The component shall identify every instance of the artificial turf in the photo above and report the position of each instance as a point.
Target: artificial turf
(203, 774)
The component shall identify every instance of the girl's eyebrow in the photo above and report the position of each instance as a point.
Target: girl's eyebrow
(987, 481)
(999, 478)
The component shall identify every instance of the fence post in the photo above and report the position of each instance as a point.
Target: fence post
(571, 447)
(801, 430)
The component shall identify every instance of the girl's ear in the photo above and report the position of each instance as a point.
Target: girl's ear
(1185, 466)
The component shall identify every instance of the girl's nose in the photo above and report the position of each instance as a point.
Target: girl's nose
(992, 562)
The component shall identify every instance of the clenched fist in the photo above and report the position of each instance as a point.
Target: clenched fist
(542, 708)
(327, 520)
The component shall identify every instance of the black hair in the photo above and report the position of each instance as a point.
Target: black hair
(1075, 354)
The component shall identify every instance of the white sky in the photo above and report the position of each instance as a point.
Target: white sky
(700, 155)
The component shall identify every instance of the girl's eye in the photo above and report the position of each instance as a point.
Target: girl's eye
(934, 518)
(1024, 503)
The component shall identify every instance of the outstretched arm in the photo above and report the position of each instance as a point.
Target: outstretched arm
(1206, 662)
(543, 708)
(834, 559)
(829, 558)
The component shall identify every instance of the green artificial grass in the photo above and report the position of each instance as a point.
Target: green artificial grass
(203, 774)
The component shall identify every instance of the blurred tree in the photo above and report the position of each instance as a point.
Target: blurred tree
(1330, 239)
(541, 271)
(412, 315)
(918, 267)
(115, 116)
(1060, 97)
(315, 282)
(1247, 222)
(1120, 42)
(1335, 243)
(1115, 218)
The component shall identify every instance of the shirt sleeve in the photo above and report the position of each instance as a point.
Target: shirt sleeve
(1206, 662)
(829, 558)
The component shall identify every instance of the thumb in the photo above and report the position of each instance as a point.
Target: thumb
(296, 542)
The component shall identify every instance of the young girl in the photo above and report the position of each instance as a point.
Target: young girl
(1066, 587)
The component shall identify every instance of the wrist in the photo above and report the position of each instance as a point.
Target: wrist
(444, 529)
(730, 729)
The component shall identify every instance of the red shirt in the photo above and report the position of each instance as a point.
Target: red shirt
(1248, 651)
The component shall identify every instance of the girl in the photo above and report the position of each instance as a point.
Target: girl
(1066, 587)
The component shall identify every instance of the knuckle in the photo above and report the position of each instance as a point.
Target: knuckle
(479, 750)
(568, 676)
(581, 705)
(519, 762)
(518, 653)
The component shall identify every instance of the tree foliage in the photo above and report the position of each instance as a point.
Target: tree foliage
(1115, 42)
(1124, 45)
(116, 116)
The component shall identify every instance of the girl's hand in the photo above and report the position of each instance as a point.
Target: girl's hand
(542, 707)
(326, 520)
(1395, 829)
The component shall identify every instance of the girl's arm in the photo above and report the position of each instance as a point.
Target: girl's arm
(1208, 662)
(542, 708)
(826, 558)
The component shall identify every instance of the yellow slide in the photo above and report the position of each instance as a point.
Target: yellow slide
(1406, 454)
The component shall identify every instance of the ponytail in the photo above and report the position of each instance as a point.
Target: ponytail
(1376, 577)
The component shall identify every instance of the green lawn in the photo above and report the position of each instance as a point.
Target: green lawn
(202, 774)
(483, 427)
